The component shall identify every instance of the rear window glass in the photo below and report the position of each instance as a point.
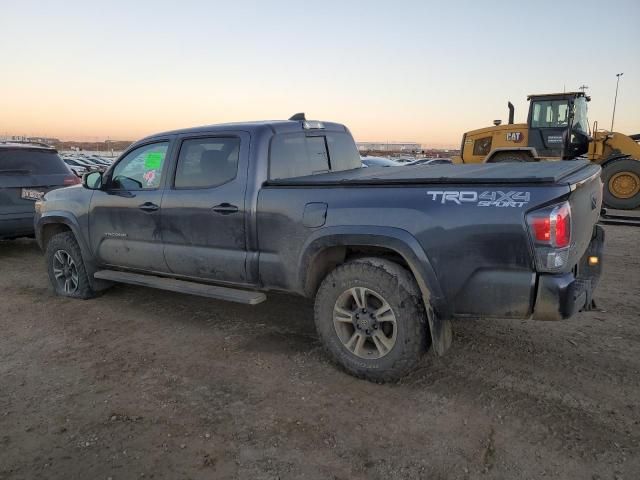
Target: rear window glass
(30, 162)
(298, 155)
(343, 152)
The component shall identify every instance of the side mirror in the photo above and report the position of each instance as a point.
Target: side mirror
(92, 180)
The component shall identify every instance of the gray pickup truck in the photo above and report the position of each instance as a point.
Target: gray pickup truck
(391, 255)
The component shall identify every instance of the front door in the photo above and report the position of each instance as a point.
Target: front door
(124, 218)
(203, 209)
(548, 126)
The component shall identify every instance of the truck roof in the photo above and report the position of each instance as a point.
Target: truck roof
(276, 126)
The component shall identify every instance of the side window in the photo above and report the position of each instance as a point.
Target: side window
(343, 152)
(140, 169)
(296, 155)
(562, 117)
(482, 146)
(535, 121)
(207, 162)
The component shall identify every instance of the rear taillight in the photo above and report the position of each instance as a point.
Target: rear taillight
(563, 226)
(550, 228)
(71, 180)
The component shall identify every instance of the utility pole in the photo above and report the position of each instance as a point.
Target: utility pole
(615, 99)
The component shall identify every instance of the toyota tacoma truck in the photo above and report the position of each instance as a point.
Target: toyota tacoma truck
(390, 255)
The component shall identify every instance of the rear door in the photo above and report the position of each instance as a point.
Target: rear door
(124, 217)
(203, 209)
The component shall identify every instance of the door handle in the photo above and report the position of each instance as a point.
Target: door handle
(225, 208)
(148, 207)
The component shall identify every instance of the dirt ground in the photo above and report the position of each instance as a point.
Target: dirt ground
(141, 383)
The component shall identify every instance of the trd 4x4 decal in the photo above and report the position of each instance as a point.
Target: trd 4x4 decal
(495, 198)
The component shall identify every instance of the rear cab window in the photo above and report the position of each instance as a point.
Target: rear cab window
(301, 154)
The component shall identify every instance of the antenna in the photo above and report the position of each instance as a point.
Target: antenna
(615, 100)
(583, 87)
(298, 116)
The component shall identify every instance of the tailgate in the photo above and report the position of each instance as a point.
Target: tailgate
(586, 202)
(18, 192)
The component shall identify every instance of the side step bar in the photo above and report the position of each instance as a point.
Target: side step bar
(182, 286)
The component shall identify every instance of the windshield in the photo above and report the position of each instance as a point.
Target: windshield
(580, 121)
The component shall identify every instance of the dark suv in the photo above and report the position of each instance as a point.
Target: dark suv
(27, 172)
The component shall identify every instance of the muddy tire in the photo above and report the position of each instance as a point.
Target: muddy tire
(370, 317)
(621, 179)
(67, 273)
(511, 157)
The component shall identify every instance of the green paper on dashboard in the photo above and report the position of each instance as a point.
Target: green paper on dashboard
(153, 160)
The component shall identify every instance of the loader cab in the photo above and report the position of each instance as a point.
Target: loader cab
(558, 125)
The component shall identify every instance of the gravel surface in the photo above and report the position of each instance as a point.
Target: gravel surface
(140, 383)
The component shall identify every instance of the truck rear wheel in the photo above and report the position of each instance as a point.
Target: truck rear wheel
(371, 319)
(621, 180)
(65, 267)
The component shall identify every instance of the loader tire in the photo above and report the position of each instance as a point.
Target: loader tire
(511, 157)
(621, 179)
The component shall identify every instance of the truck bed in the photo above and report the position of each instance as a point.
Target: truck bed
(538, 173)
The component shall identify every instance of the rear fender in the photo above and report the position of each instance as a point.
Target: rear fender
(404, 244)
(615, 156)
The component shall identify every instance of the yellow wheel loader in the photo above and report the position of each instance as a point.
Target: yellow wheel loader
(557, 129)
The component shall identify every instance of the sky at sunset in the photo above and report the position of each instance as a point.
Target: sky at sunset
(420, 71)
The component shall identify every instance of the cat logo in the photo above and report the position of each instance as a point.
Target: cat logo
(514, 137)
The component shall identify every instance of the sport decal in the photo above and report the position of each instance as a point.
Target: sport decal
(496, 198)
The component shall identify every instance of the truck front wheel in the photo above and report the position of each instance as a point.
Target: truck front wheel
(371, 319)
(67, 273)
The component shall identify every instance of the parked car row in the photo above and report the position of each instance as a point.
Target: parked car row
(372, 161)
(81, 163)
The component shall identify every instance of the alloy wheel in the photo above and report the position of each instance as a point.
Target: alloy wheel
(65, 272)
(365, 323)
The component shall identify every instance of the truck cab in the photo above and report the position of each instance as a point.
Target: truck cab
(558, 125)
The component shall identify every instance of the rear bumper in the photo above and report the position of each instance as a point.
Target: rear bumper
(561, 296)
(16, 225)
